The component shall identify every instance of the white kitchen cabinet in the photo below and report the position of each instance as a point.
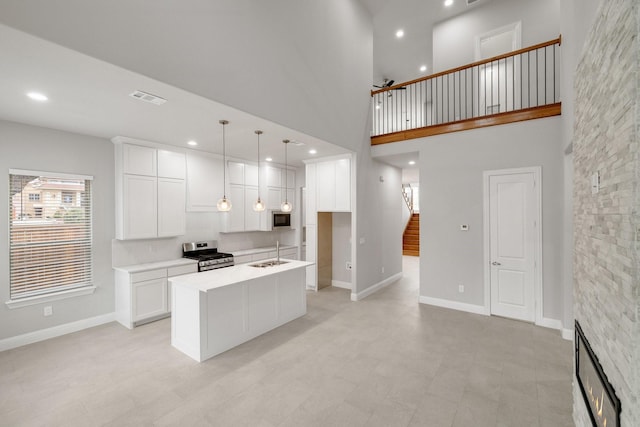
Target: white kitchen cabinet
(310, 211)
(333, 186)
(149, 299)
(273, 176)
(251, 217)
(150, 191)
(139, 160)
(274, 199)
(171, 165)
(138, 213)
(145, 296)
(250, 175)
(233, 220)
(343, 185)
(204, 182)
(171, 207)
(235, 172)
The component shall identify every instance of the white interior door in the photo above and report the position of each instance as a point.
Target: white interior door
(513, 234)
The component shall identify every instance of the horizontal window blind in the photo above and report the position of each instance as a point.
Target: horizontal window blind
(50, 233)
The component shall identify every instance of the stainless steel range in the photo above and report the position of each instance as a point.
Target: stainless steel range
(207, 254)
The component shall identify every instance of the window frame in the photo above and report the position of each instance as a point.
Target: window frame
(65, 291)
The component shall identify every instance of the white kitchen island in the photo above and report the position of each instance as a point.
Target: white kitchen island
(216, 310)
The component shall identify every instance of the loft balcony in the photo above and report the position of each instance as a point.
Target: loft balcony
(517, 86)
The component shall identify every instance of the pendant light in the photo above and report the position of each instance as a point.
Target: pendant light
(224, 204)
(285, 206)
(259, 205)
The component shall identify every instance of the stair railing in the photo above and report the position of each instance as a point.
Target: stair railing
(520, 80)
(407, 195)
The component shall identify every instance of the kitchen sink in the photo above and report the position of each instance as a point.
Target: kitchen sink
(265, 264)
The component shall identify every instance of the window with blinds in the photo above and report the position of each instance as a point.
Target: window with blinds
(49, 232)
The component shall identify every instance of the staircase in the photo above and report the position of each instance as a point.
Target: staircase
(411, 237)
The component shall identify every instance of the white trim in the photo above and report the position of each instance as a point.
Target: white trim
(349, 155)
(49, 174)
(341, 284)
(568, 334)
(454, 305)
(56, 331)
(547, 322)
(39, 299)
(537, 276)
(375, 288)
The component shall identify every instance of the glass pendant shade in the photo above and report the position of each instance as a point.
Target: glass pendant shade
(259, 205)
(224, 204)
(286, 206)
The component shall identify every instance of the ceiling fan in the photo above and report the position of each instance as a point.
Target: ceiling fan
(388, 83)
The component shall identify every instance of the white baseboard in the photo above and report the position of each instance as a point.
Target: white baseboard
(375, 288)
(56, 331)
(547, 322)
(454, 305)
(568, 334)
(340, 284)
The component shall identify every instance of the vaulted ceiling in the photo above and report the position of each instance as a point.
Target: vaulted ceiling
(400, 59)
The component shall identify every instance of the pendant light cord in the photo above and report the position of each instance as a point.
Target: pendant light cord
(286, 195)
(224, 161)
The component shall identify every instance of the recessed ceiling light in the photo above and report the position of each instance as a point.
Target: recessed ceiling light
(37, 96)
(423, 68)
(312, 151)
(269, 159)
(448, 2)
(412, 162)
(377, 107)
(400, 34)
(192, 143)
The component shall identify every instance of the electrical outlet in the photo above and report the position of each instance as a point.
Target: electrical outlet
(348, 266)
(461, 288)
(48, 310)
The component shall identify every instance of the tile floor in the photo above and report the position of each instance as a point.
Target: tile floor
(384, 361)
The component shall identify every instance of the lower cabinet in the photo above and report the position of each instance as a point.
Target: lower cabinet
(145, 296)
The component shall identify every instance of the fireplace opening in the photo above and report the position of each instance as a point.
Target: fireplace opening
(599, 396)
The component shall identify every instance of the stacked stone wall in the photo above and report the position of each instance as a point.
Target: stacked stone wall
(607, 224)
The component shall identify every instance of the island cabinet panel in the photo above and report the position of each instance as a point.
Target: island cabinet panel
(218, 310)
(226, 323)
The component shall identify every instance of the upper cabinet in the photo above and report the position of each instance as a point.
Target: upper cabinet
(150, 191)
(204, 179)
(333, 185)
(242, 190)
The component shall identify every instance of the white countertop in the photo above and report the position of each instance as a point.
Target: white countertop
(136, 268)
(220, 277)
(260, 250)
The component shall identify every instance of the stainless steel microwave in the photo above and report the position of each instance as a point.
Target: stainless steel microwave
(281, 220)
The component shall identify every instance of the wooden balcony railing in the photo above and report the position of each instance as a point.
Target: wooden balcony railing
(520, 85)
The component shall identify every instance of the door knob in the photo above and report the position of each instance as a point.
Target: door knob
(495, 263)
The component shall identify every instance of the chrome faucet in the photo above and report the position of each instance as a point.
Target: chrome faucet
(278, 251)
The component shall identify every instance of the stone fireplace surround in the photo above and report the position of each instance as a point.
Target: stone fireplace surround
(607, 222)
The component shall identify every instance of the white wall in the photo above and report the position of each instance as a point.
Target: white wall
(454, 39)
(33, 148)
(379, 211)
(451, 169)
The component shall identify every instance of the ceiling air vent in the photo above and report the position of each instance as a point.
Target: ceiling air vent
(147, 97)
(470, 2)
